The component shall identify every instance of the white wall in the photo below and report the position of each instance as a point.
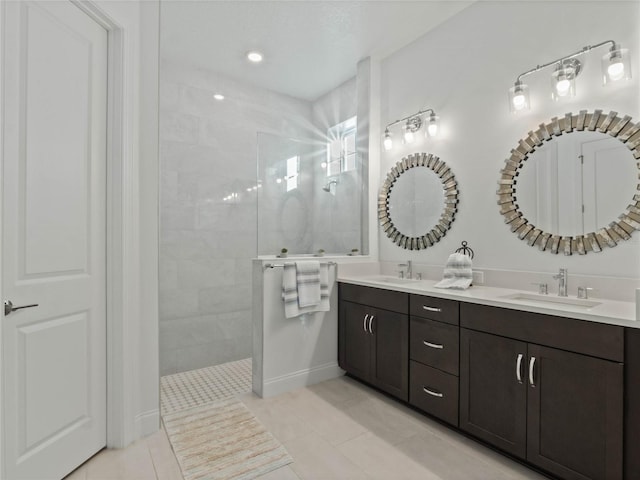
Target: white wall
(463, 70)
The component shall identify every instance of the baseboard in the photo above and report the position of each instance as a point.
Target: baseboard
(300, 379)
(146, 423)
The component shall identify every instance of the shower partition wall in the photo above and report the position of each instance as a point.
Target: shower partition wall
(303, 204)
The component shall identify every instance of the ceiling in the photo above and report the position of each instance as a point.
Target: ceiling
(310, 47)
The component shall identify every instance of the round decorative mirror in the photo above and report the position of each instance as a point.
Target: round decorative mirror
(565, 184)
(418, 201)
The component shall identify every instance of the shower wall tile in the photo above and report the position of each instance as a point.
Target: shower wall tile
(226, 298)
(179, 127)
(177, 217)
(205, 273)
(177, 303)
(208, 151)
(170, 98)
(168, 275)
(214, 353)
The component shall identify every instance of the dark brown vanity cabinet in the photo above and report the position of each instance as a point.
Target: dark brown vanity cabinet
(558, 405)
(434, 356)
(373, 337)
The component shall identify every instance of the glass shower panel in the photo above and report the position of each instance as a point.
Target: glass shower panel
(300, 207)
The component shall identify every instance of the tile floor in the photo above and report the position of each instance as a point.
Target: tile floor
(204, 385)
(339, 429)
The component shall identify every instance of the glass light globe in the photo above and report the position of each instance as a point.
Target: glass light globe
(616, 70)
(434, 126)
(563, 85)
(519, 101)
(519, 97)
(408, 136)
(388, 143)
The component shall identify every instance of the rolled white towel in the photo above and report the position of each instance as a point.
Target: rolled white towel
(458, 272)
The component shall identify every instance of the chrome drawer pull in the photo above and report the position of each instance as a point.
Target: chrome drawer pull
(432, 393)
(370, 321)
(519, 368)
(433, 345)
(431, 309)
(364, 324)
(532, 362)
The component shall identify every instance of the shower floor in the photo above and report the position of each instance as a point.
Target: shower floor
(204, 385)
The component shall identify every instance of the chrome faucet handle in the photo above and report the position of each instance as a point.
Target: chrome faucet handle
(583, 292)
(401, 272)
(543, 288)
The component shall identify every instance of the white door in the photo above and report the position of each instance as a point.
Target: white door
(53, 238)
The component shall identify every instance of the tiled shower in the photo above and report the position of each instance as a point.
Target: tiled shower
(220, 206)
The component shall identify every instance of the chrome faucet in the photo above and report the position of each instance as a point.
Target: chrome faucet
(409, 273)
(562, 282)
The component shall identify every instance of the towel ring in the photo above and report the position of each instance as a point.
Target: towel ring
(465, 250)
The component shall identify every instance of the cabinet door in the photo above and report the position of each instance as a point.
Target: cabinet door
(575, 414)
(493, 392)
(355, 341)
(390, 368)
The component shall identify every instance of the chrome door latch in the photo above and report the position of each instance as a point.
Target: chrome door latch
(9, 307)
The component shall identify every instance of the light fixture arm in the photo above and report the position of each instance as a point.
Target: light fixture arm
(566, 57)
(421, 112)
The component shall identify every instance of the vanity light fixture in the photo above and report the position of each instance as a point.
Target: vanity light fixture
(411, 125)
(387, 142)
(615, 66)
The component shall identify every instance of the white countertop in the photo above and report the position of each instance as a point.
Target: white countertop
(607, 311)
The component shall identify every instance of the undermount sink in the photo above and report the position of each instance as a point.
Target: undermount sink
(391, 279)
(532, 297)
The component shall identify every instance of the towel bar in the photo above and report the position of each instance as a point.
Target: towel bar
(281, 265)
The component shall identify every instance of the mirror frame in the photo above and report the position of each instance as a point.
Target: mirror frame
(621, 128)
(450, 186)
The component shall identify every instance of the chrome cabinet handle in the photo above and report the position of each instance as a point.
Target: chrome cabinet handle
(433, 345)
(532, 362)
(370, 322)
(364, 323)
(431, 309)
(9, 307)
(519, 368)
(432, 393)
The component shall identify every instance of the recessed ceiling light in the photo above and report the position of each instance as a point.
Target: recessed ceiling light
(218, 96)
(255, 57)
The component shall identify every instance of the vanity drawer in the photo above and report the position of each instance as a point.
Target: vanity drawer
(434, 392)
(375, 297)
(435, 344)
(434, 308)
(579, 336)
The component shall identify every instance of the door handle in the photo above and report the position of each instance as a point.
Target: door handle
(519, 368)
(532, 362)
(364, 323)
(9, 307)
(370, 322)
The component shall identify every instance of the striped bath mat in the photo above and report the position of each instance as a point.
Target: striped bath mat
(223, 441)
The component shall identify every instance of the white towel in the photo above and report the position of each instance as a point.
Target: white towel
(457, 272)
(290, 292)
(308, 283)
